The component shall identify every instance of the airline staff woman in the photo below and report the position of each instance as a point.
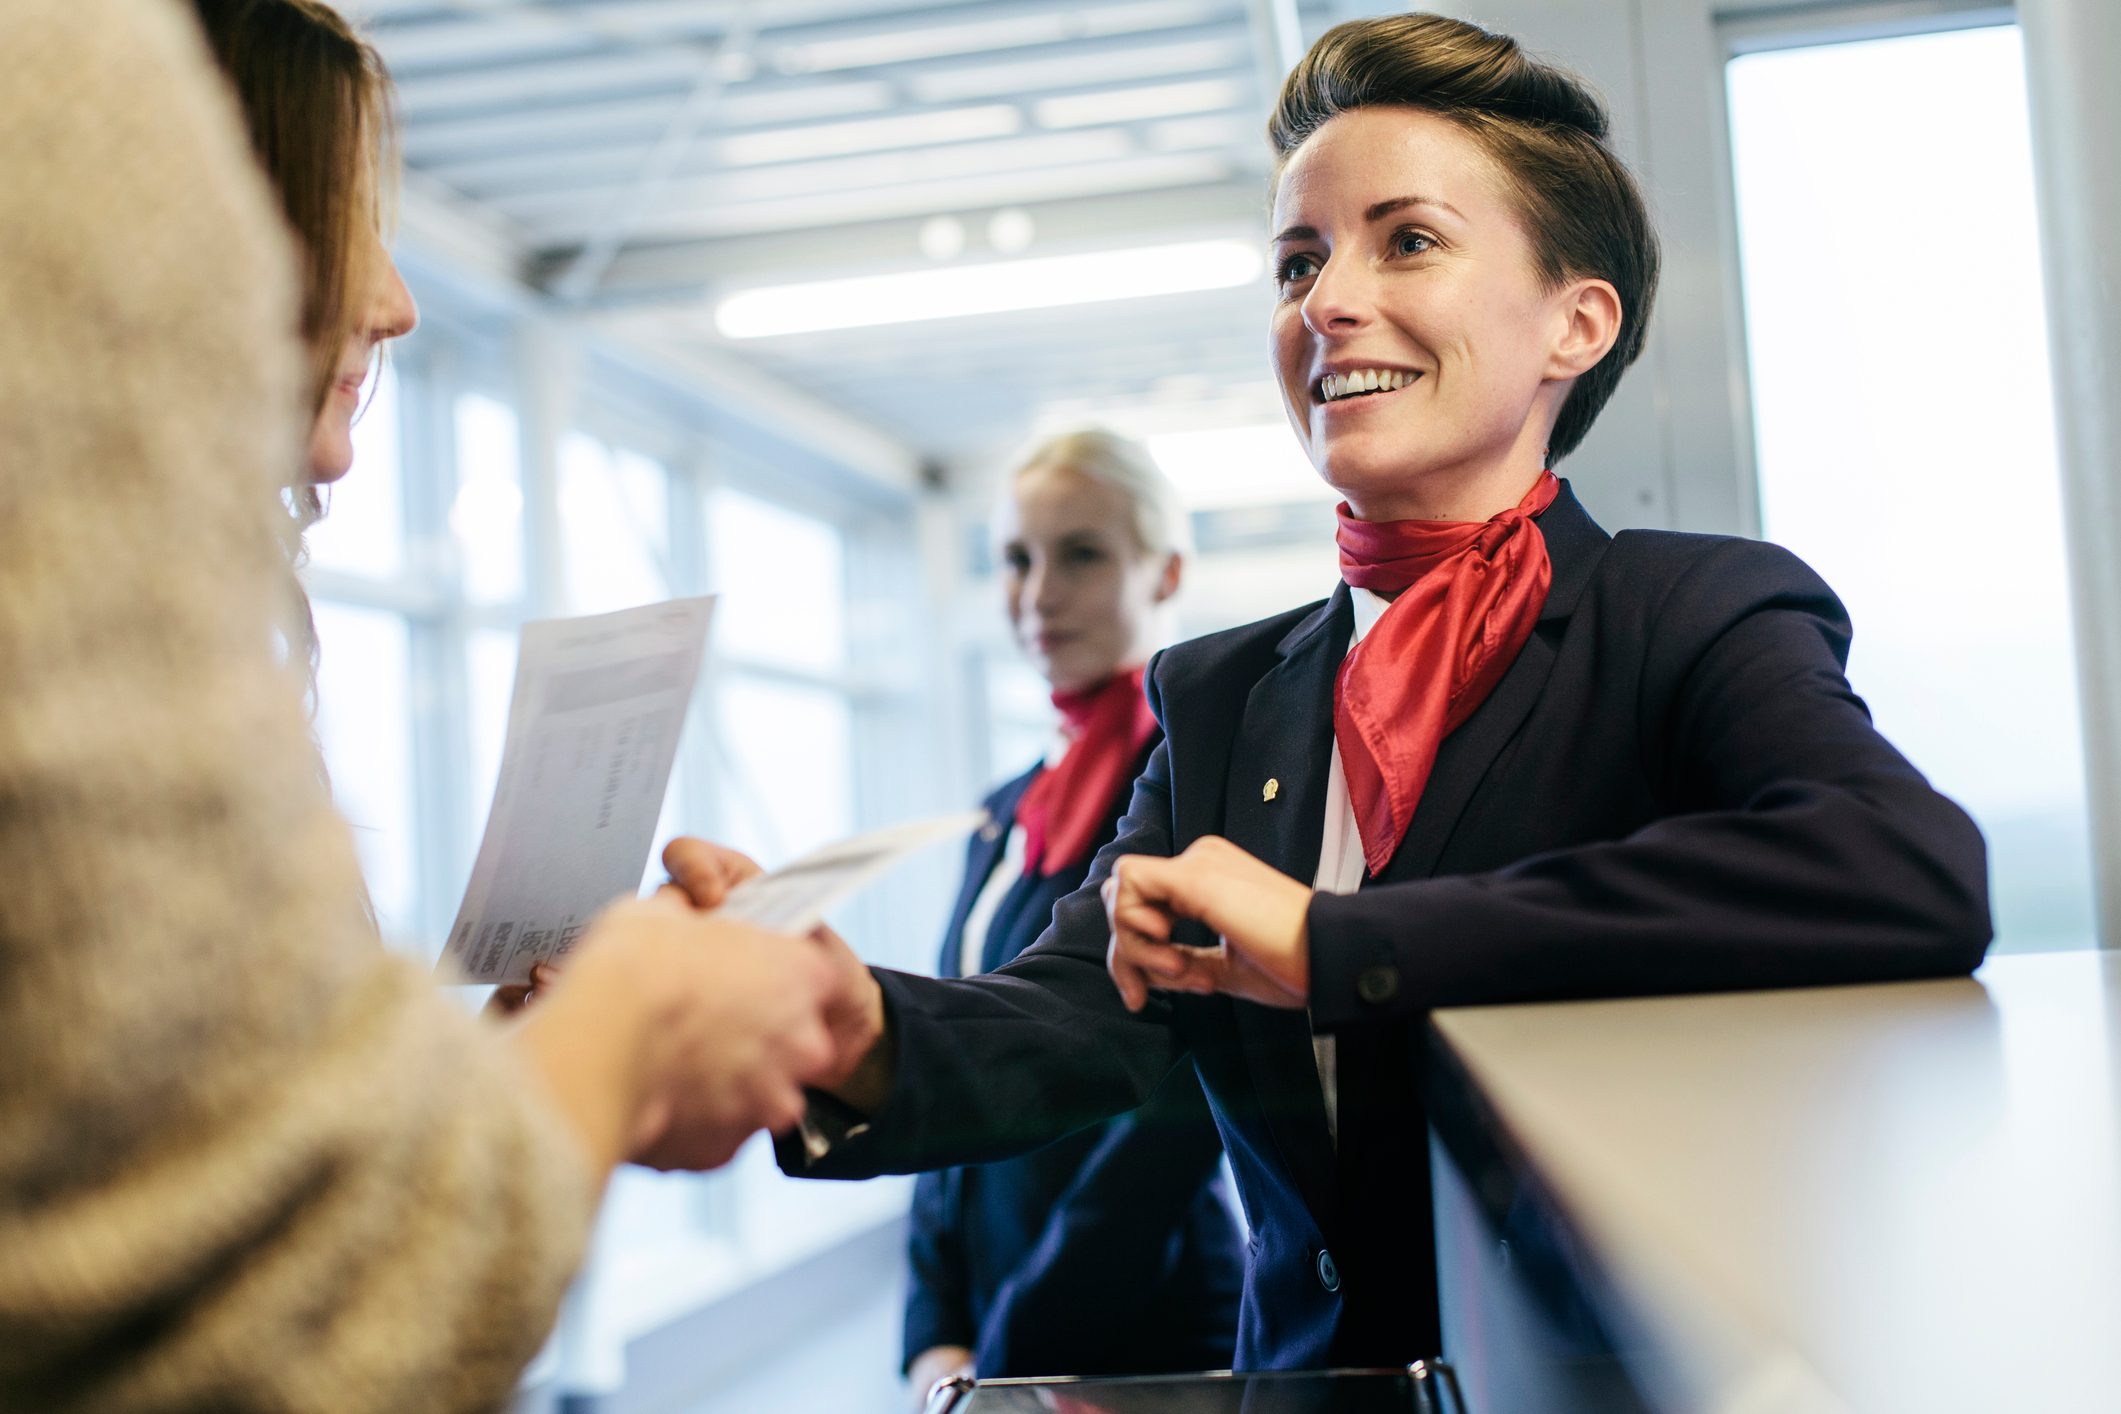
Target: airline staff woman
(1511, 757)
(1113, 1250)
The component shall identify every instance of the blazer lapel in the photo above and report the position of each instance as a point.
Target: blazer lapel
(1575, 545)
(982, 855)
(1275, 803)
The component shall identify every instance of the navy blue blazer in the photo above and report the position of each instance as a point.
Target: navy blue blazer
(1672, 789)
(1111, 1251)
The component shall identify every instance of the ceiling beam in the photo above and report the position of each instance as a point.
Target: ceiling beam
(665, 160)
(982, 192)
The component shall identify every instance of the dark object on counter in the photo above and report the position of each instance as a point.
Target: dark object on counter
(1425, 1387)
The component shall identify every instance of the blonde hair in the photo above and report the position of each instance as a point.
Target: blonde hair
(1157, 517)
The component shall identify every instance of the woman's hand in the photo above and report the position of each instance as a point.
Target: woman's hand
(674, 1036)
(706, 871)
(861, 1071)
(931, 1367)
(1263, 954)
(508, 1001)
(700, 872)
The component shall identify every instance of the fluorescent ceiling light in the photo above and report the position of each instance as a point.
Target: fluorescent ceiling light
(1048, 282)
(1126, 105)
(1213, 131)
(870, 135)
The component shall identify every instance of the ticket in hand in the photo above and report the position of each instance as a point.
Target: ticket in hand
(796, 897)
(592, 731)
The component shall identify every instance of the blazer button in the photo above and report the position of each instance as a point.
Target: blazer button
(1328, 1273)
(1377, 985)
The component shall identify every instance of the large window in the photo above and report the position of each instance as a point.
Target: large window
(1902, 409)
(445, 538)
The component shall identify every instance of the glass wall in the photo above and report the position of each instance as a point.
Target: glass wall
(1901, 403)
(433, 554)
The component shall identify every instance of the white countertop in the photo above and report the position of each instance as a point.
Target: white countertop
(1889, 1198)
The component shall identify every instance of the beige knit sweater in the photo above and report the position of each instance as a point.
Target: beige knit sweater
(247, 1161)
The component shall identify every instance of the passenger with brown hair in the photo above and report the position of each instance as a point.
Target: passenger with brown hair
(249, 1160)
(1510, 758)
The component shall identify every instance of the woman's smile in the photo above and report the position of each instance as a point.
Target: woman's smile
(1354, 387)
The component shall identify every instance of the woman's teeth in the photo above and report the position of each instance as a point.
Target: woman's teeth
(1363, 380)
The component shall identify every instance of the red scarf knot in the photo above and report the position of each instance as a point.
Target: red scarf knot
(1065, 806)
(1469, 593)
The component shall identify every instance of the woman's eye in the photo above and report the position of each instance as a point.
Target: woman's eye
(1412, 243)
(1083, 555)
(1016, 561)
(1294, 268)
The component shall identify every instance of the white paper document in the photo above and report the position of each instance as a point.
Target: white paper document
(796, 897)
(592, 730)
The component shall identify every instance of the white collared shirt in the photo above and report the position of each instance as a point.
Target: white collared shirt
(1340, 858)
(979, 919)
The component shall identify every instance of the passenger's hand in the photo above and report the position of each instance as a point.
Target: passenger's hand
(509, 1001)
(739, 1044)
(934, 1365)
(706, 871)
(674, 1036)
(1263, 953)
(862, 1063)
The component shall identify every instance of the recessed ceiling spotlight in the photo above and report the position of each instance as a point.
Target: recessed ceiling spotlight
(1011, 230)
(942, 238)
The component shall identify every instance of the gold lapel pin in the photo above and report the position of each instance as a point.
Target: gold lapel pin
(1271, 789)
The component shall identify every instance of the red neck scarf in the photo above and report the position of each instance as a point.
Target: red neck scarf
(1064, 807)
(1469, 593)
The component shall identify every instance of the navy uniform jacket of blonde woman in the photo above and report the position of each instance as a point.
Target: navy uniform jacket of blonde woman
(1110, 1251)
(1671, 789)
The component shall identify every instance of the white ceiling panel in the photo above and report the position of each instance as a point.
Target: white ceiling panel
(656, 155)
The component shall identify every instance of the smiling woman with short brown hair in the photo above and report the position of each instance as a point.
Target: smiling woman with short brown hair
(1510, 758)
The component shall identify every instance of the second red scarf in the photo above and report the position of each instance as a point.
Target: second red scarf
(1065, 806)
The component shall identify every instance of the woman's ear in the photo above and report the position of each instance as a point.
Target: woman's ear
(1167, 582)
(1588, 315)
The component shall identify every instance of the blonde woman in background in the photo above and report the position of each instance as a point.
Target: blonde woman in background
(248, 1159)
(1112, 1251)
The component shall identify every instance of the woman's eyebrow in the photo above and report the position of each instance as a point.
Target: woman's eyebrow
(1400, 203)
(1375, 213)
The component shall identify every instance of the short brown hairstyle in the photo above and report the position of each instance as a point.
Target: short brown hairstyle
(1542, 125)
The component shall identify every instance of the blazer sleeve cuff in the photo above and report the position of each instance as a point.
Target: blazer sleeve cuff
(1358, 972)
(834, 1139)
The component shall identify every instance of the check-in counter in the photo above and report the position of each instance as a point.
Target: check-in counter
(1891, 1198)
(1418, 1389)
